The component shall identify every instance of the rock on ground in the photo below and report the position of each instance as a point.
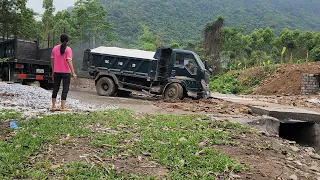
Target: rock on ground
(33, 100)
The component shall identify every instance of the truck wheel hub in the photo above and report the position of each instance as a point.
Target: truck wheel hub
(172, 92)
(105, 86)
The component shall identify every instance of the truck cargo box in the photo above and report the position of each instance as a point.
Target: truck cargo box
(126, 62)
(24, 49)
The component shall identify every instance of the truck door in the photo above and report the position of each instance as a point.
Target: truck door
(186, 67)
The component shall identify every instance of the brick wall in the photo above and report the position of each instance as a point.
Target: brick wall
(310, 84)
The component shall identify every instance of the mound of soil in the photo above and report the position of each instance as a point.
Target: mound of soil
(205, 105)
(287, 79)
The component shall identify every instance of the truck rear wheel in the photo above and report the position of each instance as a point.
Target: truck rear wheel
(106, 87)
(44, 85)
(5, 74)
(174, 91)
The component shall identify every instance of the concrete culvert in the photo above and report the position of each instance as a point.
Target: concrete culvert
(304, 133)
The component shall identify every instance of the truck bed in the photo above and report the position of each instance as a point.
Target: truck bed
(126, 62)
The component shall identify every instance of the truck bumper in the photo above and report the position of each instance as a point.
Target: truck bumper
(34, 77)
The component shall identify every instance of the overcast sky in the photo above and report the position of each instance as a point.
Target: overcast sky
(36, 5)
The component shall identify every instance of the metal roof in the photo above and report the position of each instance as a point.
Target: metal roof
(134, 53)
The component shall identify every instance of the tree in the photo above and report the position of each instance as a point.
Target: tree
(315, 52)
(258, 58)
(212, 42)
(174, 45)
(289, 40)
(275, 54)
(147, 39)
(47, 17)
(9, 9)
(89, 23)
(28, 27)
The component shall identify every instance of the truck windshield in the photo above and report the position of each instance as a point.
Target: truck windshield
(199, 62)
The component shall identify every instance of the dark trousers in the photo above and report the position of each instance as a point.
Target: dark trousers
(65, 77)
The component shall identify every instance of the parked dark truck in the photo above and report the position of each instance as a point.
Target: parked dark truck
(172, 73)
(23, 61)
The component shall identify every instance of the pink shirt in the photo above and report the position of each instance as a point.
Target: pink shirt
(60, 61)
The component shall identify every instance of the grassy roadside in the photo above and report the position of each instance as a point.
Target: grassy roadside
(179, 145)
(241, 81)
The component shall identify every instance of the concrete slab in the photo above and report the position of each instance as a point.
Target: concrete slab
(281, 112)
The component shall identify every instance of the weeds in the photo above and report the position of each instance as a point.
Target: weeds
(9, 114)
(241, 82)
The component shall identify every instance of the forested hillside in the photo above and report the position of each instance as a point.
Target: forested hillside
(181, 20)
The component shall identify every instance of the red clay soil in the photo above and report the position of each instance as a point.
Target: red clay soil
(287, 79)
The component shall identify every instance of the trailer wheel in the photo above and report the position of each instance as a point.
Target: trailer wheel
(174, 91)
(5, 74)
(106, 87)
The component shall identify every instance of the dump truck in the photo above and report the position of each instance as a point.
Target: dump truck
(171, 73)
(22, 61)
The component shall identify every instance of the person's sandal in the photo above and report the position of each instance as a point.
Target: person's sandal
(55, 109)
(66, 110)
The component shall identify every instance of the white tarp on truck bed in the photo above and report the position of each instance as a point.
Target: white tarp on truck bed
(124, 52)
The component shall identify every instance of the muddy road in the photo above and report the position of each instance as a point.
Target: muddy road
(135, 103)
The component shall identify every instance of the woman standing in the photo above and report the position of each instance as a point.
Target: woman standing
(62, 70)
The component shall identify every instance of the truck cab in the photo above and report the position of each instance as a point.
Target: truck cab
(187, 69)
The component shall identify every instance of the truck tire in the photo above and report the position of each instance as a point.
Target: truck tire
(5, 74)
(173, 91)
(44, 85)
(26, 83)
(106, 87)
(122, 93)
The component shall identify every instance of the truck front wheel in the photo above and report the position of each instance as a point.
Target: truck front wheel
(174, 91)
(106, 87)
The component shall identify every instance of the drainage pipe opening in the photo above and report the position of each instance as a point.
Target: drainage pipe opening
(304, 133)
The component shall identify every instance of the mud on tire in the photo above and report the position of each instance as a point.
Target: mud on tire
(173, 91)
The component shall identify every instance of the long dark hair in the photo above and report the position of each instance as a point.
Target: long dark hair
(64, 39)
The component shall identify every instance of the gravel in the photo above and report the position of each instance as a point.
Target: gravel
(35, 100)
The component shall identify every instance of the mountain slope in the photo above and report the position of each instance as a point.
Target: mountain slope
(181, 20)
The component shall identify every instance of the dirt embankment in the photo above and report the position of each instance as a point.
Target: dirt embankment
(286, 79)
(209, 106)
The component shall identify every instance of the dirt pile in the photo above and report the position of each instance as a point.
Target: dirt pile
(207, 106)
(287, 79)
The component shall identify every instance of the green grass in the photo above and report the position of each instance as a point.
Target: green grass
(172, 141)
(9, 115)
